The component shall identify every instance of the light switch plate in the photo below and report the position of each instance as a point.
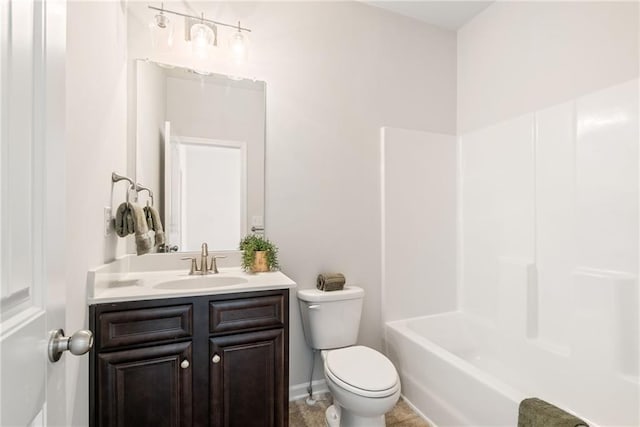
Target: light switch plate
(108, 221)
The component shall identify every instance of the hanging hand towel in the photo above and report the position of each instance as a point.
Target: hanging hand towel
(130, 219)
(153, 220)
(534, 412)
(144, 240)
(124, 221)
(330, 281)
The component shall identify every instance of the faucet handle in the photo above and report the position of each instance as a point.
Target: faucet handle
(194, 265)
(214, 265)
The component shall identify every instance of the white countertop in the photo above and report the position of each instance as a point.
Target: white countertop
(116, 283)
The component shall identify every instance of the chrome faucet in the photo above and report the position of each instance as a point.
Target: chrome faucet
(204, 262)
(204, 259)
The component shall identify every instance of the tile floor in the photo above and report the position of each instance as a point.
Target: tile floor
(303, 415)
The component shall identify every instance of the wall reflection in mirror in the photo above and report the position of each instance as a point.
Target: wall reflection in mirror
(200, 142)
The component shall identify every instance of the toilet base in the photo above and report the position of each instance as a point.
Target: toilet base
(332, 416)
(338, 417)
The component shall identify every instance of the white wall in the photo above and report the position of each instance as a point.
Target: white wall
(336, 72)
(96, 146)
(150, 115)
(518, 57)
(418, 223)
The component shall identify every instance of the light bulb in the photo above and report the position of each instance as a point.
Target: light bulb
(201, 38)
(162, 20)
(161, 30)
(238, 44)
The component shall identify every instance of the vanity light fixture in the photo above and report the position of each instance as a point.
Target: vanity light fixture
(203, 34)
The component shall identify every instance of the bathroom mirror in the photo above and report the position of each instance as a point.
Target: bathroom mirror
(200, 141)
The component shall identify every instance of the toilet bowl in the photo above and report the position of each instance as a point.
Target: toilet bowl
(363, 382)
(364, 385)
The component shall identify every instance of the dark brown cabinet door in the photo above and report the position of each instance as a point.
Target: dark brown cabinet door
(247, 384)
(145, 387)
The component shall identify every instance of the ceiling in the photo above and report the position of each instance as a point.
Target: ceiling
(450, 15)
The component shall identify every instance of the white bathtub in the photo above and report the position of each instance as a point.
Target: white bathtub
(460, 371)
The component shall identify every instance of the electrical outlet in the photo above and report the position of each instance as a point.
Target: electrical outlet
(108, 222)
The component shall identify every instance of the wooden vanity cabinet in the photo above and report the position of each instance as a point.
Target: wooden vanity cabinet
(214, 360)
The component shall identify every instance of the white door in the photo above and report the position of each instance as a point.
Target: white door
(32, 290)
(191, 219)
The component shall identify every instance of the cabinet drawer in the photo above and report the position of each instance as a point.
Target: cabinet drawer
(246, 314)
(144, 325)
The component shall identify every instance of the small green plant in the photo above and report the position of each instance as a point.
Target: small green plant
(253, 243)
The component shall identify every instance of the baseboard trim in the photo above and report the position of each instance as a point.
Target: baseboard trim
(299, 391)
(418, 411)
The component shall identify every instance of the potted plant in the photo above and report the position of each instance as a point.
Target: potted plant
(259, 254)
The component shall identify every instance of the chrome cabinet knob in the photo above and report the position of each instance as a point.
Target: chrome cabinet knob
(78, 343)
(215, 358)
(184, 364)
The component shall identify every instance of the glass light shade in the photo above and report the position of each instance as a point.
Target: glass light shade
(202, 38)
(239, 47)
(161, 30)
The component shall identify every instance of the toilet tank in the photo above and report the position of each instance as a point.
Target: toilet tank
(331, 319)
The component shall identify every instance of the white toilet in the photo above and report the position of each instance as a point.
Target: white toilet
(364, 383)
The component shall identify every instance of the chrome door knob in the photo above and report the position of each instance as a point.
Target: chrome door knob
(78, 343)
(215, 358)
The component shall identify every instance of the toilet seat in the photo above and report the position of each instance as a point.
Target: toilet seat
(362, 370)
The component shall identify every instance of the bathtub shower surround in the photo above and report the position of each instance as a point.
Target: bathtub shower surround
(548, 267)
(550, 225)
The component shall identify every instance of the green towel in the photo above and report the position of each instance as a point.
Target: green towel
(534, 412)
(124, 221)
(154, 223)
(330, 281)
(130, 219)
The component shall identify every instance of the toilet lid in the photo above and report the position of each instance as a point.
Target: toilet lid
(362, 367)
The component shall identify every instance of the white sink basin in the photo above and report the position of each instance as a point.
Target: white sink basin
(203, 282)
